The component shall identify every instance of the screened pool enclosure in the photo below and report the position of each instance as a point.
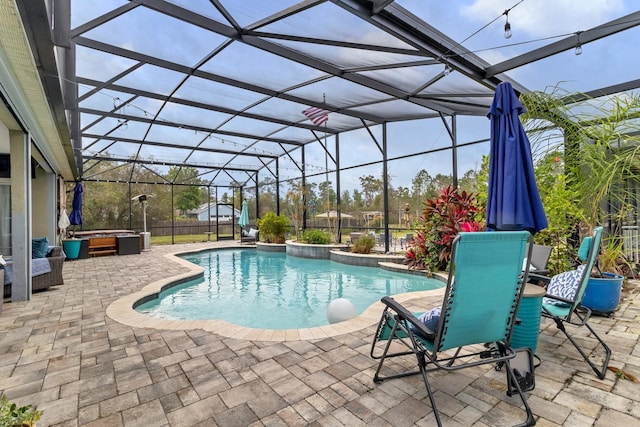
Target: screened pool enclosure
(304, 107)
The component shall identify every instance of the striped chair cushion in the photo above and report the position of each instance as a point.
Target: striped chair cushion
(564, 285)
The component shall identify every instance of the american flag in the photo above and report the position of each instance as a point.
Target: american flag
(317, 115)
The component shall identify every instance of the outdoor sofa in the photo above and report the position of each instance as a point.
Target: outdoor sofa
(46, 272)
(249, 235)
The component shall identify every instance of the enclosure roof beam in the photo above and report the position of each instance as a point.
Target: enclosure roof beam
(186, 126)
(183, 147)
(196, 104)
(165, 163)
(126, 53)
(291, 54)
(402, 24)
(583, 37)
(605, 91)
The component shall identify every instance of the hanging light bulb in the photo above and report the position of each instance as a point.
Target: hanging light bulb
(447, 69)
(507, 26)
(578, 50)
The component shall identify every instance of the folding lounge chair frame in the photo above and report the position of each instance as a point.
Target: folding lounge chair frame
(574, 313)
(540, 258)
(481, 300)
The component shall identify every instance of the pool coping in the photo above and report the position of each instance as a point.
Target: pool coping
(122, 311)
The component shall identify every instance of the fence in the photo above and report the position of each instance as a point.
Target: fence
(631, 242)
(163, 228)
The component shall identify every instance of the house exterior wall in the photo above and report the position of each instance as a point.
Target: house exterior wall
(225, 214)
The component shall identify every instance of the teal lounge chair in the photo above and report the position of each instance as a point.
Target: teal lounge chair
(568, 310)
(483, 292)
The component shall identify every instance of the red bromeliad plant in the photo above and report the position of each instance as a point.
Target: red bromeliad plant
(443, 217)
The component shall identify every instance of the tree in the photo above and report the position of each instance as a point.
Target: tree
(267, 196)
(294, 204)
(187, 197)
(402, 193)
(421, 184)
(358, 203)
(402, 198)
(469, 181)
(371, 187)
(440, 182)
(327, 196)
(107, 205)
(346, 201)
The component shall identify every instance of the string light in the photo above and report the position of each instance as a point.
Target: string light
(578, 45)
(123, 125)
(507, 25)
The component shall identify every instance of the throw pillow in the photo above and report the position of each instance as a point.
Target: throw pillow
(524, 265)
(430, 321)
(564, 285)
(253, 232)
(39, 247)
(583, 251)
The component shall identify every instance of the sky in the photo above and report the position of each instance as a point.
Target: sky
(601, 64)
(532, 21)
(478, 24)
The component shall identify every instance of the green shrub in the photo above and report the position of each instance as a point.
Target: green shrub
(363, 245)
(11, 415)
(273, 228)
(316, 237)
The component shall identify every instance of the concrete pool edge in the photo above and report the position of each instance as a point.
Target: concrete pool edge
(122, 311)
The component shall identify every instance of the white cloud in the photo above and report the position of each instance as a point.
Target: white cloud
(543, 18)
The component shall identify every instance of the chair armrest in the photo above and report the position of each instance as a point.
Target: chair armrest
(56, 264)
(404, 314)
(539, 272)
(538, 279)
(54, 251)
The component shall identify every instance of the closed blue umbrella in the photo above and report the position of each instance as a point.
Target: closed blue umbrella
(513, 201)
(243, 221)
(75, 217)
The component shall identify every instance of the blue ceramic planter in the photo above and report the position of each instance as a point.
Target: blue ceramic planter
(71, 248)
(603, 294)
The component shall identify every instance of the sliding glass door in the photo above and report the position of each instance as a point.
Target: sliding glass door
(5, 218)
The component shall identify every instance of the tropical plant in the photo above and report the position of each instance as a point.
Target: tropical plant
(273, 228)
(443, 217)
(316, 237)
(611, 258)
(12, 415)
(363, 245)
(597, 164)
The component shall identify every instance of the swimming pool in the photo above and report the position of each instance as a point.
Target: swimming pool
(268, 290)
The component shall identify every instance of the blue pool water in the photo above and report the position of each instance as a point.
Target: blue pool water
(269, 290)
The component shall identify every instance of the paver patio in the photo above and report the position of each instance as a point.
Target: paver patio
(63, 353)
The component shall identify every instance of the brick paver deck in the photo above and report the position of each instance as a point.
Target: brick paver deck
(62, 352)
